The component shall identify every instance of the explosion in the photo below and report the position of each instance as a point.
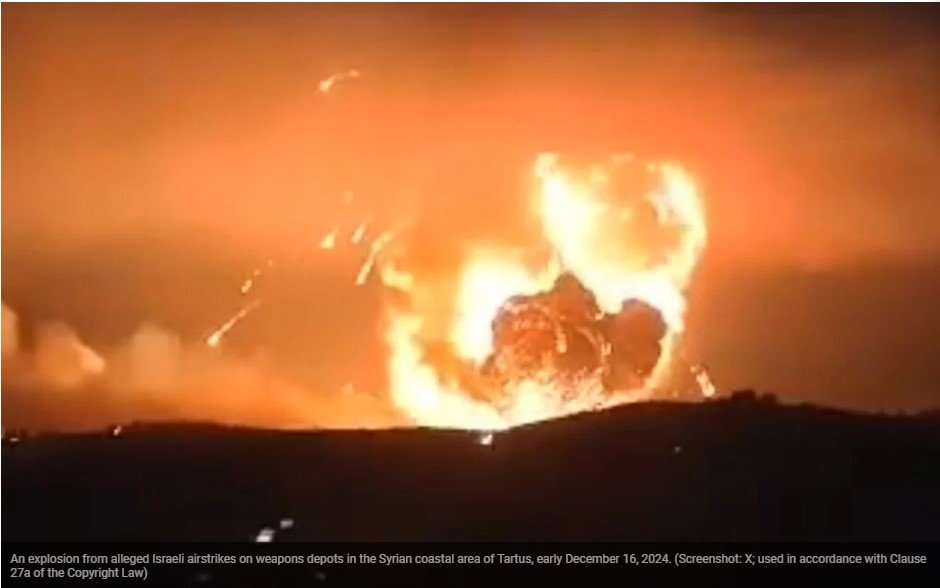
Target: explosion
(585, 313)
(594, 321)
(584, 309)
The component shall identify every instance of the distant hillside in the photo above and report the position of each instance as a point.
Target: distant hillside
(729, 470)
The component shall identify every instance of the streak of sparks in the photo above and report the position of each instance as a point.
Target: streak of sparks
(215, 338)
(249, 282)
(374, 250)
(327, 84)
(365, 270)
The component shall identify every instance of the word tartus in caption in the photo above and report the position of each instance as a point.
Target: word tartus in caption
(126, 566)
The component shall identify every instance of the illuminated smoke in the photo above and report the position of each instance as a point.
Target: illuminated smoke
(156, 375)
(58, 360)
(327, 84)
(62, 360)
(11, 334)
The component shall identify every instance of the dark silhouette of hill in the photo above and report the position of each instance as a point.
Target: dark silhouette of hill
(740, 469)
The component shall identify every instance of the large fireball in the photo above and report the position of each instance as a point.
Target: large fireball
(589, 316)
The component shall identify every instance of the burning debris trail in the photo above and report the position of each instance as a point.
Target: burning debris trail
(327, 84)
(249, 282)
(215, 338)
(327, 243)
(374, 250)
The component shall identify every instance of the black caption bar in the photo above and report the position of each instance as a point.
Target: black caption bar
(311, 564)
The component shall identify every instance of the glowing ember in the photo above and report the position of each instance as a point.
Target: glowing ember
(265, 535)
(594, 324)
(215, 338)
(359, 233)
(374, 251)
(249, 282)
(329, 241)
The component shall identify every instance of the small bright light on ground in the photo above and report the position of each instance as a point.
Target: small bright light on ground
(486, 438)
(265, 535)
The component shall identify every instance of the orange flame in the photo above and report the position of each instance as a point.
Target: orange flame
(596, 232)
(704, 381)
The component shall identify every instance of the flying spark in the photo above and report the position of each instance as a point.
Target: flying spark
(249, 282)
(360, 232)
(374, 250)
(215, 338)
(329, 242)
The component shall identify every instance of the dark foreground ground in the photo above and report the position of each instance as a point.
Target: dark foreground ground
(730, 470)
